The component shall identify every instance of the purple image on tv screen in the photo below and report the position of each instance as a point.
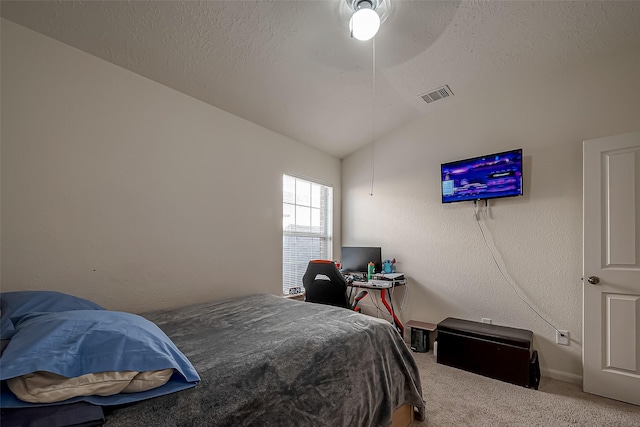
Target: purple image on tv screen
(485, 177)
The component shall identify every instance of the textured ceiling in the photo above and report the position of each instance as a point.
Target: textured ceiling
(291, 66)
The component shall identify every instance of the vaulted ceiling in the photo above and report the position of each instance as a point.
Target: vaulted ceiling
(292, 67)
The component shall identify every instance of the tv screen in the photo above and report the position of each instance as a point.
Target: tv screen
(356, 259)
(485, 177)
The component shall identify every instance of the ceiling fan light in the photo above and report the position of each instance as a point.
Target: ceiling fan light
(364, 24)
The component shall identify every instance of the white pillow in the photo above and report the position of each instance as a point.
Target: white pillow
(46, 387)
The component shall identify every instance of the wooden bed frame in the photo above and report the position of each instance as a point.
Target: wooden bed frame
(403, 416)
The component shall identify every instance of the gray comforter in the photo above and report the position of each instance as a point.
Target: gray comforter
(270, 361)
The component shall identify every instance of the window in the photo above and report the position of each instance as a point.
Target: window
(307, 213)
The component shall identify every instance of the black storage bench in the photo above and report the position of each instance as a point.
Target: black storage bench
(494, 351)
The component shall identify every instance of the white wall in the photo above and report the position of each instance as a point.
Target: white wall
(539, 235)
(123, 191)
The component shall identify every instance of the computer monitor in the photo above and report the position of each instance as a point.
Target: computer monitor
(356, 259)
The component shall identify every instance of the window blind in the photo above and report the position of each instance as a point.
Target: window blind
(307, 216)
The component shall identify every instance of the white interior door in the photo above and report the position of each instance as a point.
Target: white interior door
(611, 230)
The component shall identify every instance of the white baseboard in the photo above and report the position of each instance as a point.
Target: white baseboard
(561, 376)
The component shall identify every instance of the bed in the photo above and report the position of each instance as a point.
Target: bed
(266, 361)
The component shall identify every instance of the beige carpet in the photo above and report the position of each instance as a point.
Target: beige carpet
(458, 398)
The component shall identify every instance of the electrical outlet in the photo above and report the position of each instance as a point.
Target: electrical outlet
(562, 337)
(485, 320)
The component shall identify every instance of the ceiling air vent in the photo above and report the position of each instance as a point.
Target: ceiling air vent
(441, 92)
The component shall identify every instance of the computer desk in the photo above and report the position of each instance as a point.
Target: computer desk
(386, 285)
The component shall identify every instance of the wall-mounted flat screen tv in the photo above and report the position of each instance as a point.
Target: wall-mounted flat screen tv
(485, 177)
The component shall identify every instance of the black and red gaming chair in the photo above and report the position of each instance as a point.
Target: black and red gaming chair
(324, 284)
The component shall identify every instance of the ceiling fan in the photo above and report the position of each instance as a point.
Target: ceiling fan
(366, 17)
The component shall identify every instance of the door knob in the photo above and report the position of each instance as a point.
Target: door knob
(594, 280)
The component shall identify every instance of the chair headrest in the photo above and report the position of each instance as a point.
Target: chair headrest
(323, 267)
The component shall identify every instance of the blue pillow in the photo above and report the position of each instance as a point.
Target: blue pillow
(74, 343)
(14, 305)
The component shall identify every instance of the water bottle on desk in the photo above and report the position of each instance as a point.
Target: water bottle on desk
(371, 270)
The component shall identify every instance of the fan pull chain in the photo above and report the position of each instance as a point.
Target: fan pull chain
(373, 125)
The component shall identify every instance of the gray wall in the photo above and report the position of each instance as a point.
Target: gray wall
(123, 191)
(537, 237)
